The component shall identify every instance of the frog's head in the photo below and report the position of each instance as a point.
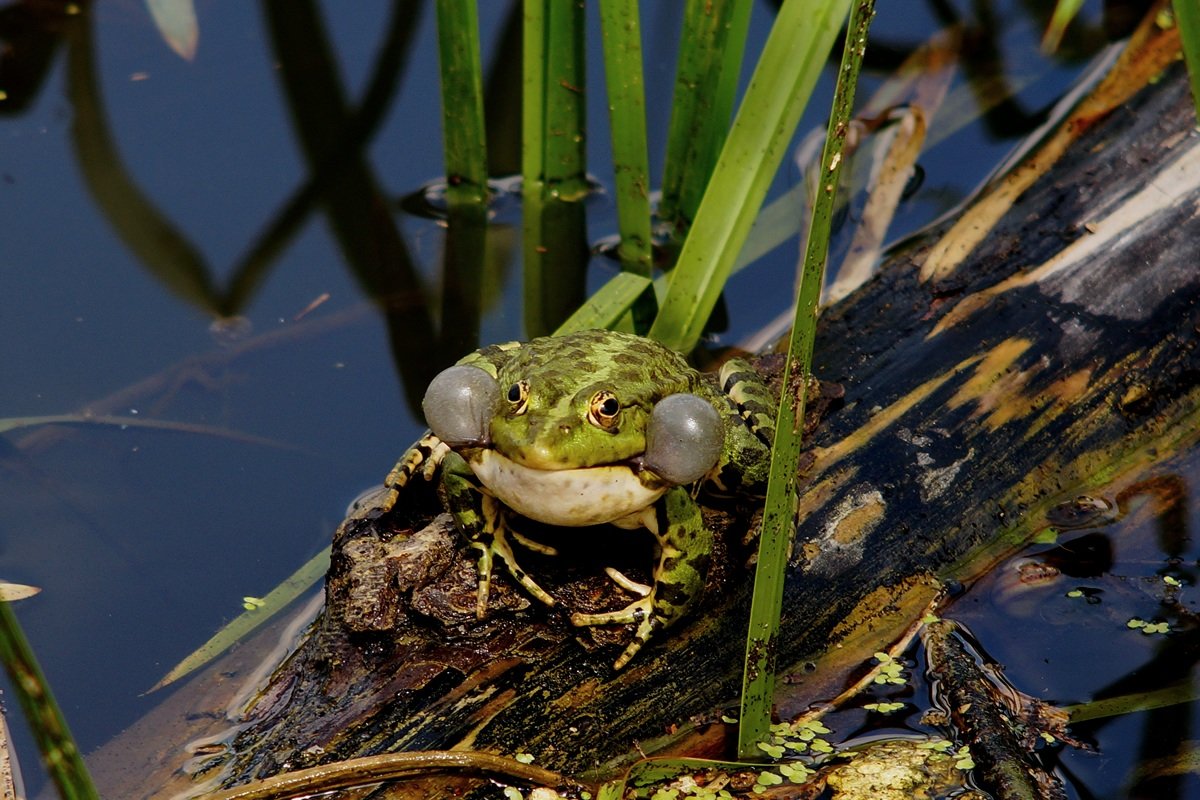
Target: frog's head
(566, 413)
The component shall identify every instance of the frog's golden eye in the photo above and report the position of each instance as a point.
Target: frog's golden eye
(518, 396)
(603, 409)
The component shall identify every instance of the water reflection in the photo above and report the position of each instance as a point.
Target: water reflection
(1075, 621)
(335, 135)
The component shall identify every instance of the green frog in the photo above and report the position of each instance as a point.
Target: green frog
(589, 428)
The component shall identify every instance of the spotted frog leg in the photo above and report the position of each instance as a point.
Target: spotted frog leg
(684, 549)
(481, 516)
(423, 459)
(484, 520)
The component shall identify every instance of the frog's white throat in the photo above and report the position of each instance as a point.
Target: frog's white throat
(571, 497)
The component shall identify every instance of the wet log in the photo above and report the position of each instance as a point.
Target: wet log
(1055, 354)
(996, 722)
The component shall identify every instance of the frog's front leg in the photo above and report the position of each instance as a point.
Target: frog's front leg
(685, 546)
(481, 518)
(423, 460)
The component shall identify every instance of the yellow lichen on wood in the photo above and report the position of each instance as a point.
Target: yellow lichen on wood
(843, 535)
(1106, 470)
(1167, 186)
(858, 518)
(892, 607)
(995, 386)
(816, 495)
(826, 457)
(1058, 397)
(1149, 51)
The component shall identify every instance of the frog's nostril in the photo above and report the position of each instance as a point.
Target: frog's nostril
(564, 429)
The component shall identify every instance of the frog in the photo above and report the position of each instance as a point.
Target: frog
(591, 428)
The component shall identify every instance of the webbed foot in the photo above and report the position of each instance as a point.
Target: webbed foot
(642, 612)
(684, 545)
(424, 458)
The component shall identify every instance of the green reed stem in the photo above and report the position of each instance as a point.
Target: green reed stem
(795, 52)
(1187, 15)
(59, 753)
(779, 517)
(553, 162)
(627, 108)
(711, 45)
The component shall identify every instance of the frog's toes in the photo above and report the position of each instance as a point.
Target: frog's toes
(636, 611)
(627, 583)
(640, 612)
(488, 550)
(533, 545)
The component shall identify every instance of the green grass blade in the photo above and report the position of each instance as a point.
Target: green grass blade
(627, 106)
(711, 45)
(465, 143)
(779, 516)
(60, 755)
(564, 162)
(462, 103)
(533, 126)
(795, 52)
(1173, 695)
(533, 130)
(604, 308)
(243, 625)
(1187, 15)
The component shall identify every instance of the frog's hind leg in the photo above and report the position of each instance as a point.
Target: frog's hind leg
(685, 546)
(499, 546)
(481, 518)
(754, 400)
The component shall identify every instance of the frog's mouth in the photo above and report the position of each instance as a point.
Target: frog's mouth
(571, 497)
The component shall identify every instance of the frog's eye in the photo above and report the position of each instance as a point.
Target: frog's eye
(518, 396)
(684, 438)
(603, 410)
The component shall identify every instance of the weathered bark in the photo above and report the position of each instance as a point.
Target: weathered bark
(1060, 355)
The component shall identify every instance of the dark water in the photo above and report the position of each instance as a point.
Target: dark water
(144, 540)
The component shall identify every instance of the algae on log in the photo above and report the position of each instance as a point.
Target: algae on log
(1059, 355)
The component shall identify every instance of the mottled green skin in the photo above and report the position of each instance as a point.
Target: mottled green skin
(563, 374)
(551, 429)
